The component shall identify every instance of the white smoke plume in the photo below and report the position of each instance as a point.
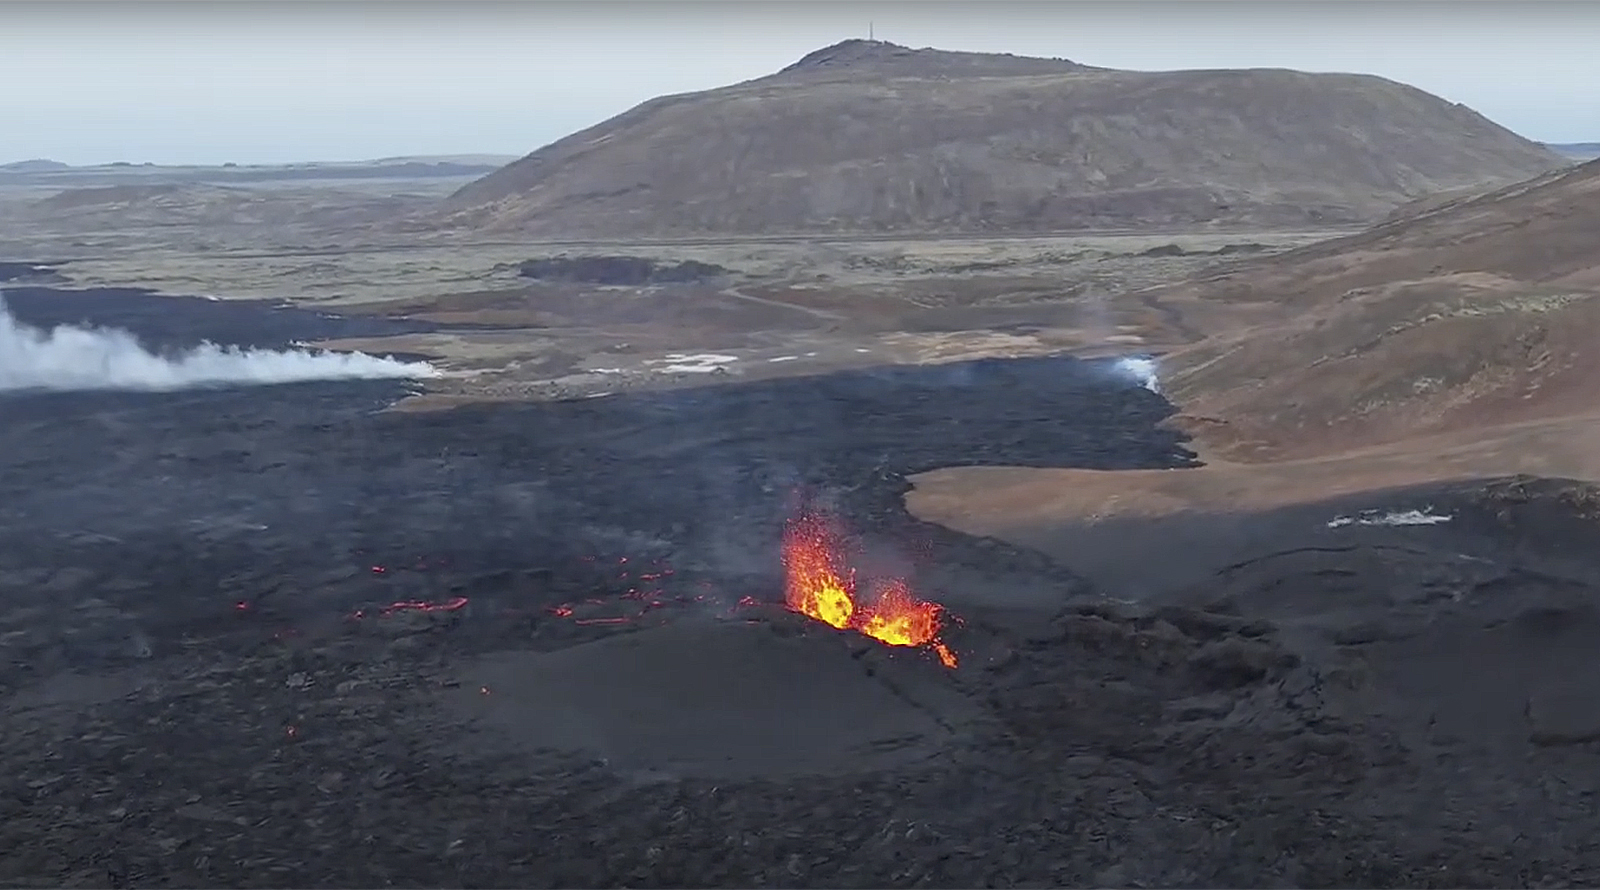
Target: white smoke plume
(76, 358)
(1141, 369)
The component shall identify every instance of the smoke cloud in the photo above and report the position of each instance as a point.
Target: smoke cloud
(1141, 369)
(75, 358)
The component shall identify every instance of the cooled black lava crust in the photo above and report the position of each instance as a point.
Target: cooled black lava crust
(305, 479)
(191, 701)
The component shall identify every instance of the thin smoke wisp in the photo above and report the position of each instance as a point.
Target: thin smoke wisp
(77, 358)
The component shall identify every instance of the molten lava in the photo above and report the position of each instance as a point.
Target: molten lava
(818, 584)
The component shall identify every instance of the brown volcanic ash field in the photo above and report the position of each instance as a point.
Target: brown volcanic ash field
(272, 636)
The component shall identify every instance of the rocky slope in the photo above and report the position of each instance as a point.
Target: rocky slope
(1481, 311)
(870, 136)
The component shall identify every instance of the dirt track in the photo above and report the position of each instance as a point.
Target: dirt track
(207, 680)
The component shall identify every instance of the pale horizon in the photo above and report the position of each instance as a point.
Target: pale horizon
(264, 83)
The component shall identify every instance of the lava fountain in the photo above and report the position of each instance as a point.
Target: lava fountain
(818, 584)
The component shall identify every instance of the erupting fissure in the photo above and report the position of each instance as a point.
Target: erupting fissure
(819, 585)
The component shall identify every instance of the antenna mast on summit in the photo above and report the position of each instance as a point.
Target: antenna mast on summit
(869, 31)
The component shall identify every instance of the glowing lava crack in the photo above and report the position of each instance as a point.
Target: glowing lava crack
(819, 586)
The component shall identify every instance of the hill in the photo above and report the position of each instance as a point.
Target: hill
(33, 165)
(1453, 344)
(1479, 312)
(870, 136)
(1582, 151)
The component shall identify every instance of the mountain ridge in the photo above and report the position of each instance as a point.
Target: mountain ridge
(867, 136)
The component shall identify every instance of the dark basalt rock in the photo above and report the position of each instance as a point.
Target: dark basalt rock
(32, 273)
(276, 583)
(619, 270)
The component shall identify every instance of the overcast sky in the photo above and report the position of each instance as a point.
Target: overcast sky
(263, 82)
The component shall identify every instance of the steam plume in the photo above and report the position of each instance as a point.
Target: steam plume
(1141, 369)
(75, 358)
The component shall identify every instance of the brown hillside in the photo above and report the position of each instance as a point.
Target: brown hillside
(1453, 344)
(869, 136)
(1481, 311)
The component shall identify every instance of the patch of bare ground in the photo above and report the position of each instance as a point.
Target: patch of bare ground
(1067, 513)
(786, 307)
(1451, 343)
(1460, 317)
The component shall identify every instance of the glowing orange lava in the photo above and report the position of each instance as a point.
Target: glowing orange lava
(818, 584)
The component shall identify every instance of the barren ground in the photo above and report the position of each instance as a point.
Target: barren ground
(787, 306)
(284, 636)
(1453, 342)
(280, 636)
